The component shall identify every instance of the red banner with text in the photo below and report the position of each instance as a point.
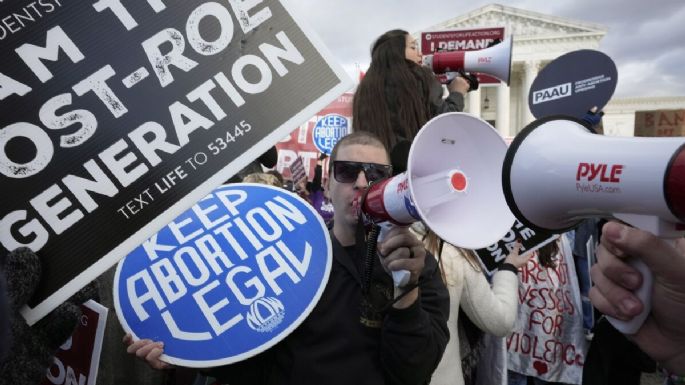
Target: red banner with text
(301, 143)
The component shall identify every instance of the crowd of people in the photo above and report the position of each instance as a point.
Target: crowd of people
(451, 323)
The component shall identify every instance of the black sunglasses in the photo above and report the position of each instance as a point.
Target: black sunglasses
(347, 171)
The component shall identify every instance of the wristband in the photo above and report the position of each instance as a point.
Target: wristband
(506, 266)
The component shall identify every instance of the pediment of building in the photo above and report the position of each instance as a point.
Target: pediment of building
(522, 24)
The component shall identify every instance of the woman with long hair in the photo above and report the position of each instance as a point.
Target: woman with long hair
(397, 96)
(476, 306)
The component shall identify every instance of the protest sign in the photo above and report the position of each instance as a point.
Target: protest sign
(78, 359)
(300, 142)
(228, 278)
(297, 170)
(572, 84)
(117, 117)
(329, 130)
(548, 341)
(493, 256)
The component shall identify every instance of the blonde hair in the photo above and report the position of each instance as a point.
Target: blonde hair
(262, 178)
(432, 244)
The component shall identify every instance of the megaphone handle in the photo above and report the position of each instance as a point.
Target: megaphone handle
(644, 293)
(399, 277)
(449, 76)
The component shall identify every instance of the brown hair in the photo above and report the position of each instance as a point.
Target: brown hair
(263, 178)
(547, 254)
(393, 99)
(432, 243)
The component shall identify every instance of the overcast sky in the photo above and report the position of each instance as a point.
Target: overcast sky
(645, 38)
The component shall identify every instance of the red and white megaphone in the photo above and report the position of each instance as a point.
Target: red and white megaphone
(452, 183)
(494, 61)
(557, 172)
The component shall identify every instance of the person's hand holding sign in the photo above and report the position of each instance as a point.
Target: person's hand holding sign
(516, 258)
(148, 351)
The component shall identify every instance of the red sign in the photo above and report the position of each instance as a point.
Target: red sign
(462, 40)
(77, 360)
(300, 142)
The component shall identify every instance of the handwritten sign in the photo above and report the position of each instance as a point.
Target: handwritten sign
(548, 341)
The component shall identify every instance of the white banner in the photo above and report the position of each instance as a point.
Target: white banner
(548, 341)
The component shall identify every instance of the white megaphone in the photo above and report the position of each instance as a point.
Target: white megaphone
(452, 183)
(558, 172)
(494, 61)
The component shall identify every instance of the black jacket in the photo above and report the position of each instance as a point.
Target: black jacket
(339, 343)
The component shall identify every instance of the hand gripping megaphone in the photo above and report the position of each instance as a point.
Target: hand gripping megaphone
(494, 61)
(451, 183)
(558, 172)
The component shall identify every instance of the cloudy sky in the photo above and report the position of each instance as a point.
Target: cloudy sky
(645, 38)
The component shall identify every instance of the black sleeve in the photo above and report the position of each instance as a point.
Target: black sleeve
(399, 155)
(252, 371)
(454, 102)
(414, 339)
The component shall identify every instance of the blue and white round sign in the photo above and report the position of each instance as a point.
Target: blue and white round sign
(228, 278)
(328, 131)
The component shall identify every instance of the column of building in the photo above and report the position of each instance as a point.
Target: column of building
(530, 72)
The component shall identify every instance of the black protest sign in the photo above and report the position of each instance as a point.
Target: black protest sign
(572, 84)
(116, 116)
(493, 256)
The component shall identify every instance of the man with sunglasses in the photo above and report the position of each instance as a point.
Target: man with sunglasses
(355, 336)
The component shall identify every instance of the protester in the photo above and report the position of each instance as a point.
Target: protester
(33, 347)
(263, 178)
(301, 189)
(352, 337)
(662, 336)
(266, 160)
(397, 96)
(278, 176)
(491, 310)
(116, 366)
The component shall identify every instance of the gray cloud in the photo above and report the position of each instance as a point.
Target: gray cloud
(643, 38)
